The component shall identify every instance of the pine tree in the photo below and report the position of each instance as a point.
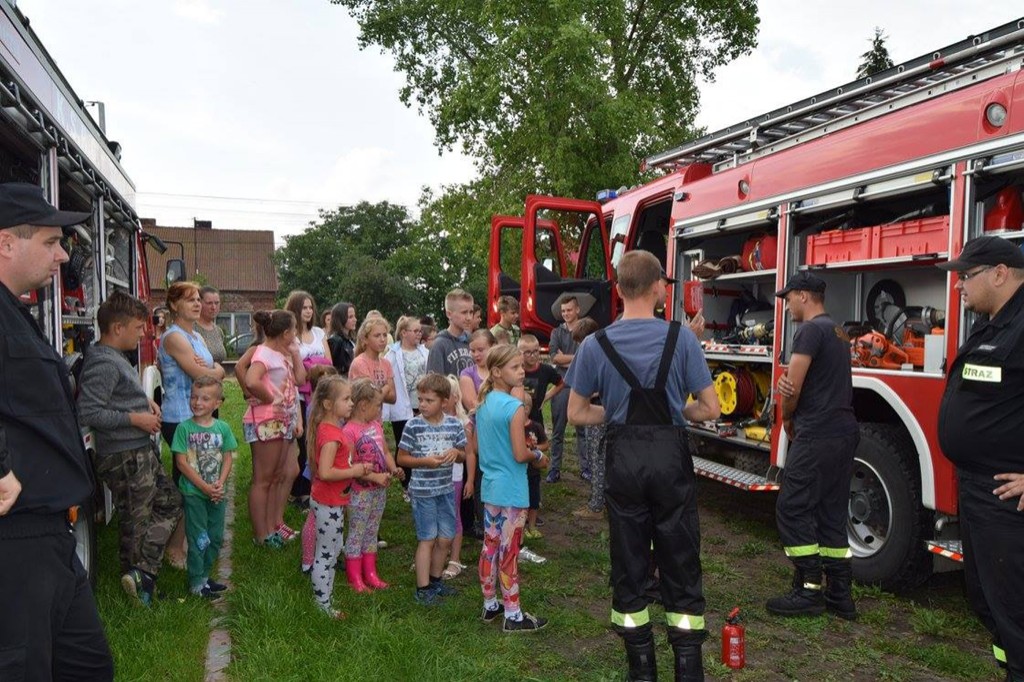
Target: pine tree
(877, 58)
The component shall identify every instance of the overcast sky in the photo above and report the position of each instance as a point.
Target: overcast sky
(253, 113)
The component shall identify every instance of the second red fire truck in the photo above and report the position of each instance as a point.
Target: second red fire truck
(870, 185)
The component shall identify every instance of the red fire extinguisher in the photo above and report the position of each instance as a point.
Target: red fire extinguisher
(734, 648)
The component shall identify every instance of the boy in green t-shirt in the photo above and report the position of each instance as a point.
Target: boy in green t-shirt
(204, 448)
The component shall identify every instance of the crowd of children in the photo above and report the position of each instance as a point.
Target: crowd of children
(474, 435)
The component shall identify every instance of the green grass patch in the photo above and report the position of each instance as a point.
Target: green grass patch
(938, 622)
(168, 641)
(754, 548)
(279, 634)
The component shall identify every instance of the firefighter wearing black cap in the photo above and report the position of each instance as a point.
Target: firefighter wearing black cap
(644, 368)
(49, 627)
(981, 419)
(817, 409)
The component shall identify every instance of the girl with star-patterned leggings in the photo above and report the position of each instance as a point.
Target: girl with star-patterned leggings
(333, 474)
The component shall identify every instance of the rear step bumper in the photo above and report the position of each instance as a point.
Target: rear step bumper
(951, 549)
(744, 480)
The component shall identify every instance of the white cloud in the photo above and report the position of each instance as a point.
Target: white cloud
(198, 11)
(806, 48)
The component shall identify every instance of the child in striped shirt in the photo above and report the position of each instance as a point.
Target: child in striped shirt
(431, 443)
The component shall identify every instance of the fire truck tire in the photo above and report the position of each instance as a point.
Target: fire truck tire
(887, 524)
(85, 539)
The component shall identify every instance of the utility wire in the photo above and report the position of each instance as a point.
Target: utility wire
(227, 198)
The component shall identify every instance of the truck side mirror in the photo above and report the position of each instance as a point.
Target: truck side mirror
(175, 270)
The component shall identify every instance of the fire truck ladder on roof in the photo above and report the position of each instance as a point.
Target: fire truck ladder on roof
(990, 54)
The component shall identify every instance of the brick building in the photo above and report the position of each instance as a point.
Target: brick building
(238, 262)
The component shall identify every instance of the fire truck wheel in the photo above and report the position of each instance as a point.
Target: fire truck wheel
(887, 523)
(85, 537)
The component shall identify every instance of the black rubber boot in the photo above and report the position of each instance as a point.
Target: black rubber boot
(838, 579)
(689, 663)
(640, 655)
(805, 598)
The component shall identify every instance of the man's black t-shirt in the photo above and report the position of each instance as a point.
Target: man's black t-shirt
(825, 408)
(536, 385)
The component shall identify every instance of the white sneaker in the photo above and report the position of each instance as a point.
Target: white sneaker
(527, 555)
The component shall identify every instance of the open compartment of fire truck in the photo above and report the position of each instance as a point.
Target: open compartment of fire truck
(727, 269)
(876, 246)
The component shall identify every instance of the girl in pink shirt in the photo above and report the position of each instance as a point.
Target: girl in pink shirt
(369, 493)
(370, 363)
(272, 423)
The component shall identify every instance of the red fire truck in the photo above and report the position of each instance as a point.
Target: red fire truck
(47, 137)
(869, 185)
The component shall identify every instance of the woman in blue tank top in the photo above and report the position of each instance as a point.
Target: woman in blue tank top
(183, 357)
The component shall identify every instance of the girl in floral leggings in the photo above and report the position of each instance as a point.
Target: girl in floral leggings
(500, 421)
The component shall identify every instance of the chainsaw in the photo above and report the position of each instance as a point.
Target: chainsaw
(875, 350)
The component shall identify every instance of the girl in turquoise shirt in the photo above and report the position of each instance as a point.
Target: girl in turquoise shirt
(504, 456)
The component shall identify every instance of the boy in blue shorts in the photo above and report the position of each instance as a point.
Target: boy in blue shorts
(431, 442)
(204, 448)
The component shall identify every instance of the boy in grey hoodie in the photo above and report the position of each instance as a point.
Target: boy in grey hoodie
(112, 402)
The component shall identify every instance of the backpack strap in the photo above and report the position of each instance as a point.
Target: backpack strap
(667, 355)
(616, 360)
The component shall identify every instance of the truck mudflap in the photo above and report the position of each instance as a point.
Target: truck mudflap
(951, 549)
(744, 480)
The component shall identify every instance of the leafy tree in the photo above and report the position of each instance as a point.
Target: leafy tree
(876, 59)
(563, 96)
(347, 255)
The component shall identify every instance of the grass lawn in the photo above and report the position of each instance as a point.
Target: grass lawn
(279, 634)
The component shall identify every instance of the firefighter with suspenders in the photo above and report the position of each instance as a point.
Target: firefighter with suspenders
(644, 368)
(981, 419)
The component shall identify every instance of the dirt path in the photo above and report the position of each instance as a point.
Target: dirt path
(218, 648)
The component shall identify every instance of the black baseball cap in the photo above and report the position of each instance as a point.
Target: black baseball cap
(670, 280)
(802, 281)
(22, 203)
(986, 250)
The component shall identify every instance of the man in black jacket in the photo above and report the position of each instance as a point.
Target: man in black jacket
(50, 628)
(980, 422)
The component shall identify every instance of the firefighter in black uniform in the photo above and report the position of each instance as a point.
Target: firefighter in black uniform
(49, 627)
(981, 420)
(644, 368)
(817, 411)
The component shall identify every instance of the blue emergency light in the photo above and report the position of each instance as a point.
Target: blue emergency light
(606, 195)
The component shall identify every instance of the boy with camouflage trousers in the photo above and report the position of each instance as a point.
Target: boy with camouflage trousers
(112, 402)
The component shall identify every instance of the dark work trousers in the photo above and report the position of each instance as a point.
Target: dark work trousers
(301, 484)
(992, 531)
(652, 495)
(812, 506)
(49, 626)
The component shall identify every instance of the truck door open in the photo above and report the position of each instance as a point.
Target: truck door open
(506, 257)
(544, 278)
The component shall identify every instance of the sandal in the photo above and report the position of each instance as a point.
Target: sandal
(453, 570)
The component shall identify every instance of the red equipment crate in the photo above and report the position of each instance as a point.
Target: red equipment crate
(911, 238)
(836, 246)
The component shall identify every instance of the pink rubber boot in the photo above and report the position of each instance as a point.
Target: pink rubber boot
(370, 572)
(354, 572)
